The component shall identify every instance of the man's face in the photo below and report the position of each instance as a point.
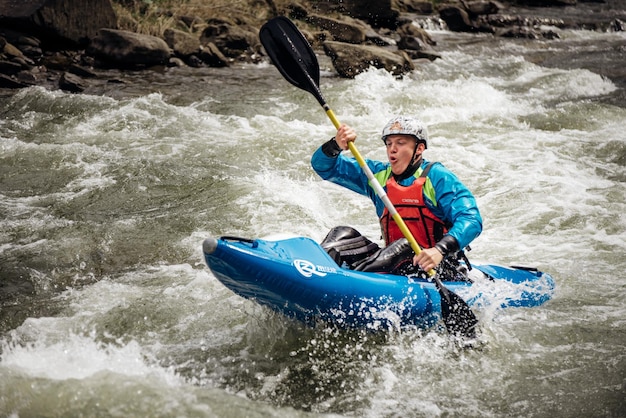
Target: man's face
(400, 149)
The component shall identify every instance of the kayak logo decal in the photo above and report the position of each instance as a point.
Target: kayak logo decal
(308, 269)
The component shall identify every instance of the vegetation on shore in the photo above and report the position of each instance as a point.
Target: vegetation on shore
(153, 17)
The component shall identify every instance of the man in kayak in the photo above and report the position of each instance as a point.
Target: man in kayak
(438, 209)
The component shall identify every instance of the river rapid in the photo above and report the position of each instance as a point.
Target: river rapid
(107, 308)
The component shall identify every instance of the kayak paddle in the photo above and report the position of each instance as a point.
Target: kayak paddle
(292, 54)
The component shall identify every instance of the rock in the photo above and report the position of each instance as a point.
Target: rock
(376, 38)
(350, 60)
(12, 51)
(72, 83)
(410, 29)
(57, 60)
(519, 32)
(212, 56)
(28, 77)
(194, 61)
(416, 48)
(233, 41)
(477, 8)
(182, 43)
(59, 21)
(458, 20)
(81, 71)
(123, 49)
(10, 67)
(503, 20)
(7, 82)
(341, 30)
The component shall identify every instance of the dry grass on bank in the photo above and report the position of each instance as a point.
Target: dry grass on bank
(154, 17)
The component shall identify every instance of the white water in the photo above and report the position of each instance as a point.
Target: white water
(107, 307)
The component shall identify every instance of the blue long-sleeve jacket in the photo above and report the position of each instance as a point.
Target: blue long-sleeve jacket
(444, 194)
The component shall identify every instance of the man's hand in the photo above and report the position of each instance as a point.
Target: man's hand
(428, 259)
(344, 135)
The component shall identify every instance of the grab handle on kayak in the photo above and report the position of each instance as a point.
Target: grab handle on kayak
(253, 242)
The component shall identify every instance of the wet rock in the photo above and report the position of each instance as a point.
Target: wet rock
(7, 82)
(503, 20)
(350, 60)
(410, 29)
(29, 77)
(417, 48)
(617, 26)
(81, 71)
(458, 20)
(479, 8)
(376, 38)
(72, 83)
(524, 32)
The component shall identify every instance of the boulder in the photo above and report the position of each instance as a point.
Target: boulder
(458, 20)
(59, 21)
(123, 49)
(350, 60)
(477, 8)
(182, 43)
(341, 30)
(232, 40)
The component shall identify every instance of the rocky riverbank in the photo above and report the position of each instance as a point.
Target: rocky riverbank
(64, 44)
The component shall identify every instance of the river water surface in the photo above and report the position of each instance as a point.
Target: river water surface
(107, 308)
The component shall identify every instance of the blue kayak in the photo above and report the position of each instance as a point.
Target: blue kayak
(296, 277)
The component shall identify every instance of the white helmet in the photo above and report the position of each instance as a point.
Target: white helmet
(405, 125)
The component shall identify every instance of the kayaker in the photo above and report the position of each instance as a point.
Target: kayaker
(437, 207)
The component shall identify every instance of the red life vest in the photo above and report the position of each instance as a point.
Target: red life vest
(409, 202)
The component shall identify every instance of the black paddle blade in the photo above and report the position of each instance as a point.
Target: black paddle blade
(457, 315)
(291, 53)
